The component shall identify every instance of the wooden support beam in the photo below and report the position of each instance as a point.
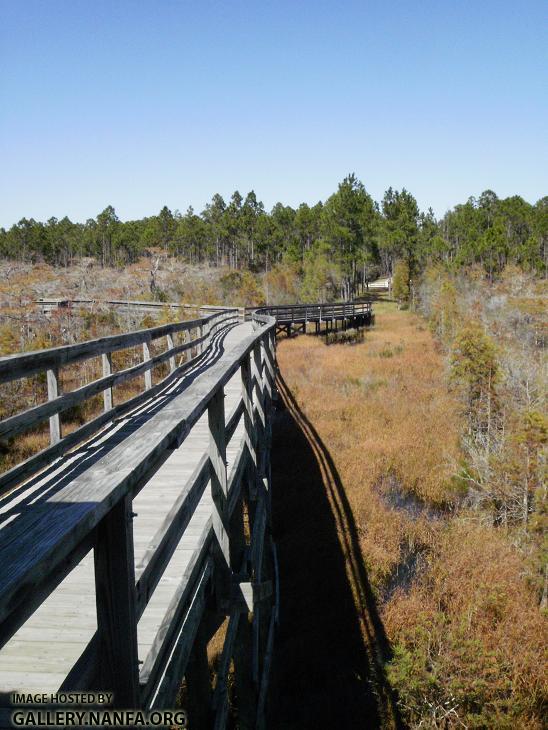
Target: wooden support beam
(258, 395)
(220, 699)
(116, 605)
(198, 704)
(217, 457)
(249, 415)
(246, 690)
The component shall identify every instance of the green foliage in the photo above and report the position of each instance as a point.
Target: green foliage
(400, 229)
(444, 315)
(349, 230)
(474, 360)
(242, 289)
(494, 233)
(345, 337)
(320, 276)
(401, 283)
(474, 367)
(358, 239)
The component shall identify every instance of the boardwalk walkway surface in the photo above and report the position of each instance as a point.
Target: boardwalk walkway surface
(43, 651)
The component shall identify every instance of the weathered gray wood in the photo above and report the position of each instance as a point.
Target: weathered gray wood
(48, 536)
(247, 402)
(233, 421)
(166, 539)
(256, 559)
(22, 421)
(258, 399)
(35, 462)
(169, 631)
(107, 370)
(235, 479)
(257, 538)
(116, 476)
(56, 303)
(43, 585)
(246, 595)
(84, 673)
(146, 359)
(268, 372)
(220, 697)
(53, 392)
(116, 605)
(176, 665)
(217, 457)
(13, 367)
(267, 661)
(170, 346)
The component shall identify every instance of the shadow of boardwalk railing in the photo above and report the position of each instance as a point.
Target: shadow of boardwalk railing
(331, 646)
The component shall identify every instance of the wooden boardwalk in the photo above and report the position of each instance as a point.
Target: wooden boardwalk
(43, 651)
(126, 544)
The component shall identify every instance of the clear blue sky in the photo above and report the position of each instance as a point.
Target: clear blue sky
(141, 104)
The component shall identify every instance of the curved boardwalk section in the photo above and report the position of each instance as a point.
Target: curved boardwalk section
(123, 555)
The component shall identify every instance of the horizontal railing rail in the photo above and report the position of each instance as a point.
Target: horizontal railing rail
(198, 335)
(313, 312)
(50, 305)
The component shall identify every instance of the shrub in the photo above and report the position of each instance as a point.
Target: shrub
(401, 283)
(345, 337)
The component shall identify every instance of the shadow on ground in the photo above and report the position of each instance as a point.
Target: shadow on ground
(330, 646)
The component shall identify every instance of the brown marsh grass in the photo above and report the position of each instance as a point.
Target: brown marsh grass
(398, 608)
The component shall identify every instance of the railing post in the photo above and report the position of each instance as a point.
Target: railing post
(107, 370)
(170, 346)
(258, 390)
(116, 606)
(53, 391)
(249, 421)
(217, 457)
(268, 372)
(146, 357)
(185, 337)
(198, 681)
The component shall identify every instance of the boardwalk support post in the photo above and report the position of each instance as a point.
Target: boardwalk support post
(116, 611)
(53, 392)
(107, 370)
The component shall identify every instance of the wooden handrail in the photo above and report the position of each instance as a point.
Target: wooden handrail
(15, 367)
(22, 365)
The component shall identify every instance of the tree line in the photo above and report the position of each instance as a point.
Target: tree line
(347, 240)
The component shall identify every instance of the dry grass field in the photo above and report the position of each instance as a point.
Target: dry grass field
(398, 607)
